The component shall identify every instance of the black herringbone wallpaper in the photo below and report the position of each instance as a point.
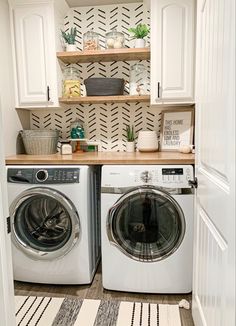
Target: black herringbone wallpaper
(103, 122)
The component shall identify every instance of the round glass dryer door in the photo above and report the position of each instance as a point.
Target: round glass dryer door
(146, 224)
(45, 223)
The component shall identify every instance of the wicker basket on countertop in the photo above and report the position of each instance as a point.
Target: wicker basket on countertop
(40, 142)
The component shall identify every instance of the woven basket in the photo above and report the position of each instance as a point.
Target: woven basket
(40, 142)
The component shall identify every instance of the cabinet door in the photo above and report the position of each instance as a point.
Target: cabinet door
(32, 34)
(172, 51)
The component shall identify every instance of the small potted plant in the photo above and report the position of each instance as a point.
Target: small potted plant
(139, 32)
(70, 39)
(130, 139)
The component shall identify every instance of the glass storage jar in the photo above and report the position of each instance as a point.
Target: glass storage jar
(91, 40)
(76, 130)
(71, 83)
(138, 83)
(115, 40)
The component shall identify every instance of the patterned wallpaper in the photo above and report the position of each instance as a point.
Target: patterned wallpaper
(103, 122)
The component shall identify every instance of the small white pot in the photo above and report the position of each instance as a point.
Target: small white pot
(130, 147)
(71, 47)
(139, 43)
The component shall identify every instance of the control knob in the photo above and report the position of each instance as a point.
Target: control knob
(41, 175)
(146, 176)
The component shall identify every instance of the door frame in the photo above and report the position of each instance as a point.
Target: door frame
(7, 304)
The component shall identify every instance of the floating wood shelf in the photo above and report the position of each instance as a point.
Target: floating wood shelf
(125, 54)
(105, 99)
(104, 158)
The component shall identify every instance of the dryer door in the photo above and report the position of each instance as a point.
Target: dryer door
(146, 224)
(45, 223)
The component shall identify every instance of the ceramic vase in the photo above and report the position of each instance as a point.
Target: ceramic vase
(139, 43)
(130, 147)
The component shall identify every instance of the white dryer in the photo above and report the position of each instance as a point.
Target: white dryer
(147, 228)
(54, 213)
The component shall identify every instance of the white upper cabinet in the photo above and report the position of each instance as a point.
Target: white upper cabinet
(36, 28)
(172, 51)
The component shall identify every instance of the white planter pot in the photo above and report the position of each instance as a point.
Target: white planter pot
(130, 147)
(71, 47)
(139, 43)
(147, 141)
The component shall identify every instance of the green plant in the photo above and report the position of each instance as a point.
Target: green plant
(140, 31)
(70, 36)
(130, 133)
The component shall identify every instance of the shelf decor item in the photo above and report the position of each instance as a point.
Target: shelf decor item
(147, 141)
(90, 41)
(40, 141)
(130, 145)
(139, 32)
(76, 130)
(138, 82)
(104, 86)
(77, 135)
(115, 40)
(71, 83)
(69, 39)
(176, 129)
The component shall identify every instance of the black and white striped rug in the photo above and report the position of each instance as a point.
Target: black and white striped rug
(44, 311)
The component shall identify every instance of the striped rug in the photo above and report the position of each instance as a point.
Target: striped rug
(45, 311)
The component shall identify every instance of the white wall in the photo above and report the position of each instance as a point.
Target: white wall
(11, 122)
(6, 272)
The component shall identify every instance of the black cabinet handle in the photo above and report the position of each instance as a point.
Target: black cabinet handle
(8, 224)
(158, 90)
(48, 93)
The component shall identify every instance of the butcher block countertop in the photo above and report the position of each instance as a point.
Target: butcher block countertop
(100, 158)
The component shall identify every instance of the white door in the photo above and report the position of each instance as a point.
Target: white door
(6, 277)
(172, 50)
(32, 31)
(214, 253)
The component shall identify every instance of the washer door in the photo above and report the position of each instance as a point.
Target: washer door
(45, 223)
(146, 224)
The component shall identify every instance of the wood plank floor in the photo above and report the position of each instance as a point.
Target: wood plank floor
(96, 291)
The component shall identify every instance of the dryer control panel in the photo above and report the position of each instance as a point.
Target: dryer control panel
(43, 175)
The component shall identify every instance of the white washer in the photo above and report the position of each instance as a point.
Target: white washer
(54, 213)
(147, 228)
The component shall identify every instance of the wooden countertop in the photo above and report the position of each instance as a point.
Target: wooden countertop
(99, 158)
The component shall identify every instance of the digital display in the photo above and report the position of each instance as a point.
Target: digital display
(177, 171)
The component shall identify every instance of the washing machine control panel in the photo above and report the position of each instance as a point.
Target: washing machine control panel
(165, 176)
(43, 176)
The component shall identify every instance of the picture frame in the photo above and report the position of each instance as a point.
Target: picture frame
(176, 128)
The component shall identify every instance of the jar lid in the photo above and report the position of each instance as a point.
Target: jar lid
(70, 71)
(114, 33)
(91, 33)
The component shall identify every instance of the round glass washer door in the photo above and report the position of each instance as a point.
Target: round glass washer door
(45, 223)
(146, 224)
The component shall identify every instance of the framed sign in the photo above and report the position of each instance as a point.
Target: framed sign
(176, 128)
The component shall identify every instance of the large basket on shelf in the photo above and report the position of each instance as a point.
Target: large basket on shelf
(40, 142)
